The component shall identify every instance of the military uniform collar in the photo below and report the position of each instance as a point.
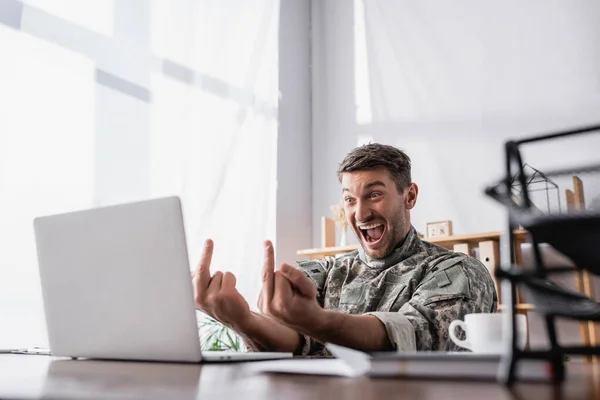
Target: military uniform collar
(404, 250)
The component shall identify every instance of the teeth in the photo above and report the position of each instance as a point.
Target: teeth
(371, 226)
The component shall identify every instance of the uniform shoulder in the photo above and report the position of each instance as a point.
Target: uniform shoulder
(432, 253)
(434, 249)
(329, 262)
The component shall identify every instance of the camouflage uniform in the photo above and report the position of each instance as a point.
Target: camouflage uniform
(416, 292)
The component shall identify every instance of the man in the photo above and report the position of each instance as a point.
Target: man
(396, 292)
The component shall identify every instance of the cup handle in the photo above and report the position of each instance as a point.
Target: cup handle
(451, 332)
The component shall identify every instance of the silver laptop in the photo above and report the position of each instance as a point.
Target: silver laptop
(116, 285)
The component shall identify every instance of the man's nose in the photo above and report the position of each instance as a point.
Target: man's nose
(363, 212)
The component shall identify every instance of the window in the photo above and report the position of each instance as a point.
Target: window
(108, 103)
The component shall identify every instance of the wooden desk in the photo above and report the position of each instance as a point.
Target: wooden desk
(43, 377)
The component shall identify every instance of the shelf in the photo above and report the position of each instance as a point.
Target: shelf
(447, 242)
(326, 251)
(450, 241)
(519, 307)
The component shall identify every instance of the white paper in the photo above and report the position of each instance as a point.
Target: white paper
(358, 361)
(326, 367)
(353, 363)
(349, 363)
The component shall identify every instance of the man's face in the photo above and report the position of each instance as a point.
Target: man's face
(377, 213)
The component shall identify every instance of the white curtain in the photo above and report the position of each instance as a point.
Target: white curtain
(122, 101)
(217, 147)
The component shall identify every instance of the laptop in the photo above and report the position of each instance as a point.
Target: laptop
(116, 285)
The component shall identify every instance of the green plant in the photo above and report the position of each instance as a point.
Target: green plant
(218, 337)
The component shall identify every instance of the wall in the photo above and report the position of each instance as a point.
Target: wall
(449, 83)
(294, 184)
(333, 124)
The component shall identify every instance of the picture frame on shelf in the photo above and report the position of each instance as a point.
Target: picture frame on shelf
(438, 229)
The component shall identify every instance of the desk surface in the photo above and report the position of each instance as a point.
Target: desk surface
(44, 377)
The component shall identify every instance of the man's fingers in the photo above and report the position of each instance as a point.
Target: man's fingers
(203, 272)
(268, 271)
(283, 294)
(300, 282)
(229, 281)
(215, 283)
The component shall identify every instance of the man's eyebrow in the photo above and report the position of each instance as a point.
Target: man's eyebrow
(373, 184)
(369, 185)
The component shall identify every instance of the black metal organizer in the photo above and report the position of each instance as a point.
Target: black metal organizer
(576, 235)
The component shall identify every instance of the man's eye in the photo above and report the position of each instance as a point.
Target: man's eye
(374, 195)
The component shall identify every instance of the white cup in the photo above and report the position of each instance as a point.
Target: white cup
(484, 332)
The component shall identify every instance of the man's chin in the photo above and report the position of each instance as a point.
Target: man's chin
(379, 252)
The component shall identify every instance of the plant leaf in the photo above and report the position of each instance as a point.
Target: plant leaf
(231, 341)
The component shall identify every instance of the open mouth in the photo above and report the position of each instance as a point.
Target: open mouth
(372, 233)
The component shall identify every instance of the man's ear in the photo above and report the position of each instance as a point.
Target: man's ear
(411, 192)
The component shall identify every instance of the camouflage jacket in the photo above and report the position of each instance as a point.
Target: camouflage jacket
(416, 292)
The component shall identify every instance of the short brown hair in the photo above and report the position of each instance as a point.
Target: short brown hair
(376, 155)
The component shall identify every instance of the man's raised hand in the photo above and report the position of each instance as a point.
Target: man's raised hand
(217, 295)
(288, 295)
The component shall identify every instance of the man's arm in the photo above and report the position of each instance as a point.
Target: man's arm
(318, 271)
(262, 333)
(294, 303)
(458, 287)
(361, 332)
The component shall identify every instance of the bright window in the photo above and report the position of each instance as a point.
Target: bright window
(92, 115)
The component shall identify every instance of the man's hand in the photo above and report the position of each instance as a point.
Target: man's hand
(288, 300)
(216, 295)
(289, 296)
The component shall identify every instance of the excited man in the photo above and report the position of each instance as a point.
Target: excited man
(396, 292)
